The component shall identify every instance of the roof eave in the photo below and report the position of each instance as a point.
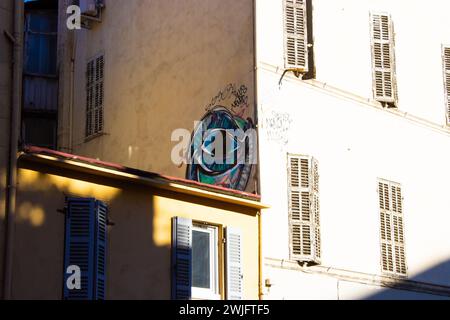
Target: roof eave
(156, 183)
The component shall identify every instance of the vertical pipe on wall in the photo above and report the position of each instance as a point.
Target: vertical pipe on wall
(13, 146)
(72, 89)
(260, 258)
(256, 117)
(255, 94)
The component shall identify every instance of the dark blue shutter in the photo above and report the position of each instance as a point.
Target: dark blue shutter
(79, 246)
(181, 259)
(85, 246)
(100, 259)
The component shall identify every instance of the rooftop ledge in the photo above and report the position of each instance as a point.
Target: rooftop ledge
(114, 170)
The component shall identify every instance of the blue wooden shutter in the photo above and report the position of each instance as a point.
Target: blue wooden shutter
(100, 244)
(79, 246)
(85, 247)
(181, 258)
(235, 273)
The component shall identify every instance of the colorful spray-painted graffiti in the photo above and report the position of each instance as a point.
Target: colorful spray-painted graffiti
(233, 166)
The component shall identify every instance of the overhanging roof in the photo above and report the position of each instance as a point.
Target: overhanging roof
(102, 168)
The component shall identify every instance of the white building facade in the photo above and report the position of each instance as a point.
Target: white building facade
(354, 148)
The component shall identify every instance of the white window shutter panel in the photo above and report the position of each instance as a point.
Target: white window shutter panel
(446, 58)
(385, 227)
(398, 229)
(383, 58)
(295, 35)
(393, 258)
(181, 258)
(303, 202)
(234, 265)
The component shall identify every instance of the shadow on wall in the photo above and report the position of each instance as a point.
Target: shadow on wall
(137, 266)
(437, 274)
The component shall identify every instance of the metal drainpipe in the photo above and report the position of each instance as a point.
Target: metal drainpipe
(260, 260)
(13, 147)
(72, 89)
(258, 175)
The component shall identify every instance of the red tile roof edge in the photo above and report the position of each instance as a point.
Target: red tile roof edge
(29, 149)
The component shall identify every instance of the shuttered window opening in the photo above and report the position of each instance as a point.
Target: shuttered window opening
(296, 35)
(446, 58)
(195, 261)
(383, 59)
(86, 247)
(393, 258)
(94, 96)
(304, 209)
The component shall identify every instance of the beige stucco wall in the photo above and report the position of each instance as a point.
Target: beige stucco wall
(164, 63)
(138, 259)
(6, 23)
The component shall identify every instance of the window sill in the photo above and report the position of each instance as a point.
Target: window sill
(204, 294)
(94, 136)
(394, 276)
(211, 297)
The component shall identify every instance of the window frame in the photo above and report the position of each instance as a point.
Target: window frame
(213, 293)
(307, 196)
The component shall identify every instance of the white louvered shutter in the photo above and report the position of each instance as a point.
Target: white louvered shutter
(383, 58)
(94, 95)
(234, 269)
(399, 240)
(393, 258)
(386, 232)
(304, 221)
(446, 58)
(295, 35)
(181, 259)
(315, 205)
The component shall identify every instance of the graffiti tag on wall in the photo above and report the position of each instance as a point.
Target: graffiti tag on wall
(277, 127)
(222, 151)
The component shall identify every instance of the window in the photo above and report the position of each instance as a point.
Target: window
(446, 58)
(85, 247)
(205, 271)
(195, 261)
(304, 209)
(94, 96)
(298, 39)
(40, 43)
(40, 81)
(383, 59)
(393, 258)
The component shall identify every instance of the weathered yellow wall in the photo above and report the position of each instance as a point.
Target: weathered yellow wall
(6, 23)
(164, 63)
(139, 252)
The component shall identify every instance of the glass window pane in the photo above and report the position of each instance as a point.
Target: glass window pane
(201, 260)
(40, 57)
(43, 22)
